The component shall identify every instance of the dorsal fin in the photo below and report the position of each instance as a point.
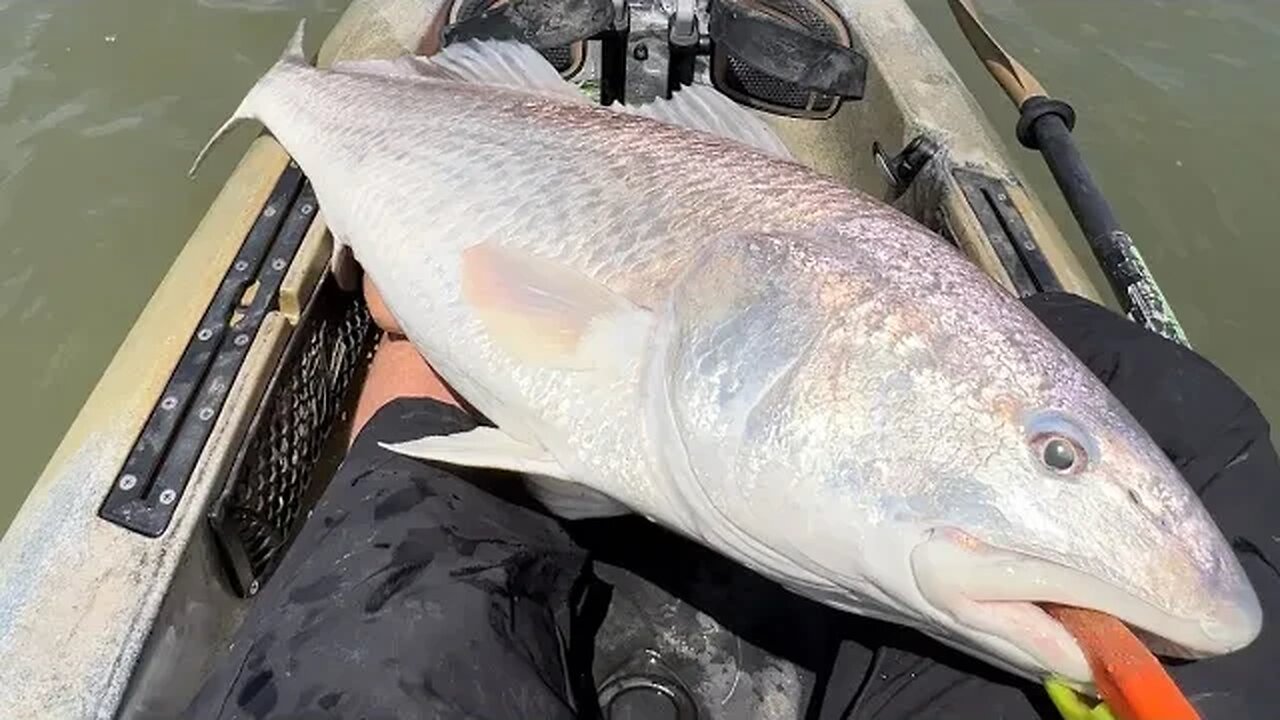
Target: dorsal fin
(500, 63)
(699, 107)
(515, 65)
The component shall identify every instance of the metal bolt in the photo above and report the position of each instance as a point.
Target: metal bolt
(170, 402)
(127, 482)
(307, 209)
(241, 265)
(204, 334)
(206, 413)
(269, 211)
(168, 496)
(253, 587)
(641, 52)
(242, 340)
(278, 264)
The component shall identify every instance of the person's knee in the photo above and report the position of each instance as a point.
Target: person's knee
(410, 570)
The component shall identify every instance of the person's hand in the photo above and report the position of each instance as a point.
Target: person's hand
(396, 370)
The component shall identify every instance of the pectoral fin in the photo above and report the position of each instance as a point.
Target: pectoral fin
(486, 447)
(572, 501)
(546, 313)
(483, 447)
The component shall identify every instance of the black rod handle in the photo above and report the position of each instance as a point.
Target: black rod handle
(1046, 126)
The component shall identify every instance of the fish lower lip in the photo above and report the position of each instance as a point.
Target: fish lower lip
(1026, 626)
(994, 593)
(1015, 631)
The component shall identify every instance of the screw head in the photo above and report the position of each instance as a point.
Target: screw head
(170, 402)
(128, 482)
(241, 265)
(242, 340)
(168, 496)
(204, 334)
(278, 264)
(269, 211)
(206, 413)
(640, 52)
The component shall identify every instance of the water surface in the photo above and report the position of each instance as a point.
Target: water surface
(1178, 107)
(102, 107)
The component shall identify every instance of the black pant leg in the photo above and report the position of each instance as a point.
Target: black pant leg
(409, 593)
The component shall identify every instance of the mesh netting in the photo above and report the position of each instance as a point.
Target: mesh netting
(271, 483)
(561, 58)
(817, 24)
(743, 81)
(760, 86)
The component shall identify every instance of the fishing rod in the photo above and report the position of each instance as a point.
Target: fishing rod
(1045, 124)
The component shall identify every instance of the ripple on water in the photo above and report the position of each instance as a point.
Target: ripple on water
(266, 6)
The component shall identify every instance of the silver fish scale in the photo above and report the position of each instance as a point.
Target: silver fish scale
(821, 380)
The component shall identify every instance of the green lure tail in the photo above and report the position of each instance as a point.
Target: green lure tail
(1074, 707)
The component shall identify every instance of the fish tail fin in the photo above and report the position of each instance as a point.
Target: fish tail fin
(293, 55)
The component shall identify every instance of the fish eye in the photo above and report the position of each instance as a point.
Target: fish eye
(1059, 454)
(1059, 443)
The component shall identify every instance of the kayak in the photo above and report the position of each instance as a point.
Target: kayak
(191, 466)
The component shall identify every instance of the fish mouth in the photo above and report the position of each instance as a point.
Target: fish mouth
(994, 596)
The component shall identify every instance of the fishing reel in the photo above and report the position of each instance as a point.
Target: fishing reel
(787, 57)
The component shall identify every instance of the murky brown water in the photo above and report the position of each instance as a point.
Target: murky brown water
(103, 103)
(1179, 107)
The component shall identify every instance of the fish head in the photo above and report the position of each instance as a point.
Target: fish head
(1065, 499)
(931, 455)
(1028, 483)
